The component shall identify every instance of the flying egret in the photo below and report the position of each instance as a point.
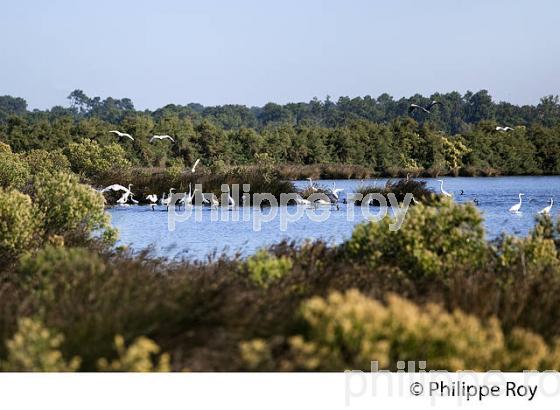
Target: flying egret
(117, 187)
(161, 137)
(504, 129)
(122, 134)
(547, 209)
(515, 208)
(415, 201)
(127, 193)
(443, 191)
(193, 169)
(427, 109)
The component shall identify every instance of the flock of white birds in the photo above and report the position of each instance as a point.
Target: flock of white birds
(332, 193)
(514, 209)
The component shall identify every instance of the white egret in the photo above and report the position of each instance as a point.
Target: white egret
(415, 201)
(515, 208)
(547, 209)
(301, 201)
(122, 134)
(117, 187)
(153, 199)
(193, 169)
(166, 201)
(161, 137)
(504, 129)
(427, 109)
(443, 191)
(335, 191)
(313, 188)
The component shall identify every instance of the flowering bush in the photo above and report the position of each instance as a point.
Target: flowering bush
(35, 348)
(135, 358)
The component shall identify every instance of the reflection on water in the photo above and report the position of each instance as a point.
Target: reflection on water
(140, 227)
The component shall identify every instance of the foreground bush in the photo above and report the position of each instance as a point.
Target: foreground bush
(350, 330)
(35, 348)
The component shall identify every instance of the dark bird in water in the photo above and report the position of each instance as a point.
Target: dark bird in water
(476, 201)
(462, 192)
(427, 109)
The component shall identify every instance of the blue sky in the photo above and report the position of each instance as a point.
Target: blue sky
(251, 52)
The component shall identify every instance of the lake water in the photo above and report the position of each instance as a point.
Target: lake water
(217, 230)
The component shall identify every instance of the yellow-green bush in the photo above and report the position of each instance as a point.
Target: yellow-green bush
(349, 330)
(14, 172)
(59, 267)
(5, 148)
(40, 160)
(91, 159)
(264, 267)
(18, 223)
(431, 242)
(66, 205)
(138, 357)
(34, 348)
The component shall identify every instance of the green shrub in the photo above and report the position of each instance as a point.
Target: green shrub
(431, 242)
(14, 172)
(68, 207)
(40, 160)
(264, 267)
(18, 223)
(35, 348)
(91, 159)
(37, 271)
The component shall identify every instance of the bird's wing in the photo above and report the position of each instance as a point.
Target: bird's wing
(432, 104)
(168, 137)
(120, 134)
(128, 136)
(115, 187)
(412, 107)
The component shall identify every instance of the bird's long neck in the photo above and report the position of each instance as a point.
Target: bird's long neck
(520, 200)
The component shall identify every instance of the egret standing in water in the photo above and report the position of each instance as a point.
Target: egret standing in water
(547, 209)
(153, 200)
(313, 188)
(443, 191)
(515, 208)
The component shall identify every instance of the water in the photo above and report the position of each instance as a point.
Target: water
(140, 227)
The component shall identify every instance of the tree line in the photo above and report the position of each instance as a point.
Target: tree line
(459, 136)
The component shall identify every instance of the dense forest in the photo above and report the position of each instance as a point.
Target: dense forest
(459, 136)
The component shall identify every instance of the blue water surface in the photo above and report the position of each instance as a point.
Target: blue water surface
(234, 231)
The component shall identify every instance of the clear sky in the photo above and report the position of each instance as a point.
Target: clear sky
(254, 51)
